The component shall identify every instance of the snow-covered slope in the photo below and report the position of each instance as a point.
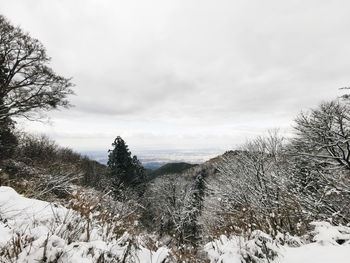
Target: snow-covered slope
(38, 231)
(328, 244)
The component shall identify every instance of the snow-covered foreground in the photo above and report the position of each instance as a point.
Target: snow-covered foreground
(37, 231)
(315, 253)
(324, 249)
(34, 231)
(329, 244)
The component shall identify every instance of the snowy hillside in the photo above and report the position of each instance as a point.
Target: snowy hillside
(38, 231)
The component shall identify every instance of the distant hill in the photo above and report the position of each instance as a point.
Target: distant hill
(170, 168)
(152, 166)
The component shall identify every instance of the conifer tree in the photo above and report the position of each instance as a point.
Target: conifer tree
(125, 170)
(139, 170)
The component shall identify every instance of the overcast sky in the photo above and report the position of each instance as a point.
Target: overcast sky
(187, 74)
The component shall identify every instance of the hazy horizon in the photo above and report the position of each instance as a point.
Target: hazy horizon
(157, 158)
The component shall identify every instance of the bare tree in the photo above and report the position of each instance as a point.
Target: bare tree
(321, 161)
(172, 204)
(27, 83)
(251, 190)
(323, 134)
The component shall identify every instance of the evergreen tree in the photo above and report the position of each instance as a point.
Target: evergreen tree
(126, 171)
(139, 170)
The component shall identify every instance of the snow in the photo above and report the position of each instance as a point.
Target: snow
(42, 230)
(5, 234)
(322, 248)
(325, 233)
(316, 253)
(237, 248)
(18, 210)
(224, 250)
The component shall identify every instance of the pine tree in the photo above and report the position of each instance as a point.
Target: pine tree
(139, 170)
(126, 171)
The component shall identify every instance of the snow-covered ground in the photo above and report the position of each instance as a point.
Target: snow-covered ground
(316, 253)
(33, 230)
(323, 247)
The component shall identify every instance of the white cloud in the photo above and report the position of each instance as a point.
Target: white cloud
(187, 73)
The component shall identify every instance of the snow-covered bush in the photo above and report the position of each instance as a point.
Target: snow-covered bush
(321, 161)
(325, 233)
(44, 155)
(258, 248)
(326, 243)
(52, 182)
(251, 191)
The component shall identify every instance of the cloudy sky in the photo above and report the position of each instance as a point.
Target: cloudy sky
(186, 74)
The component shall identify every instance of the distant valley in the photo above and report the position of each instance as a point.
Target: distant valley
(154, 159)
